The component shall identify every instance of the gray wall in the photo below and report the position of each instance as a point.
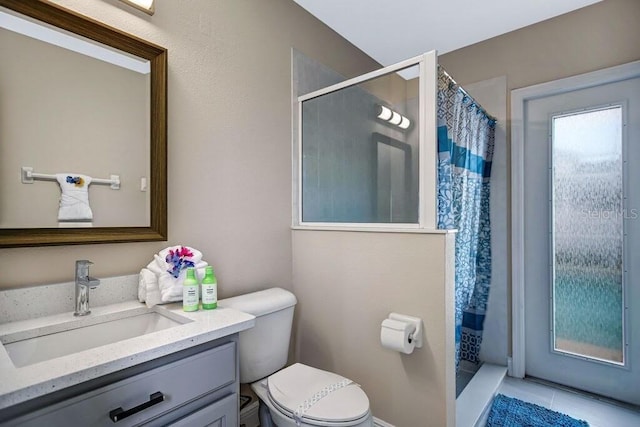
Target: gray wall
(595, 37)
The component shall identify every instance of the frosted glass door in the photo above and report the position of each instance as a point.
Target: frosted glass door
(582, 239)
(587, 233)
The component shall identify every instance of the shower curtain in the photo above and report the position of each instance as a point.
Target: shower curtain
(465, 149)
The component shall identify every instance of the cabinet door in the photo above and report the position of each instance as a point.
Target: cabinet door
(223, 413)
(177, 383)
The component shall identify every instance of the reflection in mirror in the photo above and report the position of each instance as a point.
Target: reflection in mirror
(45, 88)
(393, 196)
(78, 113)
(348, 176)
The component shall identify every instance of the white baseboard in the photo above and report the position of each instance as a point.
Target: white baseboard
(379, 423)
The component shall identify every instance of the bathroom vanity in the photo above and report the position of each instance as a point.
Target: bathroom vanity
(178, 369)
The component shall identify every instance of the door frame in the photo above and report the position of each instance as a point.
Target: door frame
(519, 97)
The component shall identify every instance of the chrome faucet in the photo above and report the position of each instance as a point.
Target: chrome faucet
(84, 282)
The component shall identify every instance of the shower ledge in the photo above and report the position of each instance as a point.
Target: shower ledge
(478, 394)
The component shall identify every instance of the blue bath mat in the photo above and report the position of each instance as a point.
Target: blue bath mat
(511, 412)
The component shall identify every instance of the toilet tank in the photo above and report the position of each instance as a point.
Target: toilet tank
(264, 348)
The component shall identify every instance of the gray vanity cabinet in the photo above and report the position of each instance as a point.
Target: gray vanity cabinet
(198, 389)
(223, 413)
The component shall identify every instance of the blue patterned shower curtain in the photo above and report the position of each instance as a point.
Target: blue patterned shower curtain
(465, 149)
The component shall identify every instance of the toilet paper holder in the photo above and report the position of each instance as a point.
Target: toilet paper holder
(415, 337)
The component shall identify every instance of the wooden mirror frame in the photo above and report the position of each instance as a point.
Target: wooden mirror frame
(94, 30)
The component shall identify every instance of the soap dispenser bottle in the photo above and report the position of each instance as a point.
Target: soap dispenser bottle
(190, 291)
(209, 289)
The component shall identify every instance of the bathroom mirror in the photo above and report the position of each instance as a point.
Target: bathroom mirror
(136, 152)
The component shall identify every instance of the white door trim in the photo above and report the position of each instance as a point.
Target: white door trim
(518, 99)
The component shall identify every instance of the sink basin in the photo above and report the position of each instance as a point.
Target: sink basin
(77, 336)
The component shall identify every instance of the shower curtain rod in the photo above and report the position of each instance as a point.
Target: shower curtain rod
(473, 100)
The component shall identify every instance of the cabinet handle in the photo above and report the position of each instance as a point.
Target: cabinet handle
(120, 414)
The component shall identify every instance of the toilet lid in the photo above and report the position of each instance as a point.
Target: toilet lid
(320, 395)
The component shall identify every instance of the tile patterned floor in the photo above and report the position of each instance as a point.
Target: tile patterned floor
(595, 412)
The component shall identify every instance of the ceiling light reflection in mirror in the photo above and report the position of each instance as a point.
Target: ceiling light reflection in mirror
(386, 114)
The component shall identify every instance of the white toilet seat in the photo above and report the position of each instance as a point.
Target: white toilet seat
(314, 397)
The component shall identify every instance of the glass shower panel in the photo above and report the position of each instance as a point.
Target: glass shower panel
(358, 166)
(391, 183)
(588, 214)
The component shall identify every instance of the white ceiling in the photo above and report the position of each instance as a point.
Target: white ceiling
(393, 30)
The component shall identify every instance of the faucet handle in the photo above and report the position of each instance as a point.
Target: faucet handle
(82, 267)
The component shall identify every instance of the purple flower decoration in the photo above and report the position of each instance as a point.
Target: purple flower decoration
(178, 260)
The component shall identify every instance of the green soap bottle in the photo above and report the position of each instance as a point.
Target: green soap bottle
(190, 291)
(209, 289)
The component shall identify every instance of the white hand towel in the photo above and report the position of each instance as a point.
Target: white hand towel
(148, 290)
(74, 197)
(157, 283)
(169, 292)
(157, 266)
(153, 290)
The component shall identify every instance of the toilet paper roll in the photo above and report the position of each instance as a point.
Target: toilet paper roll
(394, 335)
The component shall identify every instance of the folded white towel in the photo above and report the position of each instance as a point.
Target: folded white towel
(74, 197)
(153, 290)
(75, 224)
(169, 293)
(158, 266)
(148, 290)
(157, 284)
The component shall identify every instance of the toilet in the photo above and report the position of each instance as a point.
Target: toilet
(298, 395)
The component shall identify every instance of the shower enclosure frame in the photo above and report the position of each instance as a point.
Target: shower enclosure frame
(427, 123)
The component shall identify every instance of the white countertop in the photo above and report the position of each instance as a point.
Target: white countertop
(18, 385)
